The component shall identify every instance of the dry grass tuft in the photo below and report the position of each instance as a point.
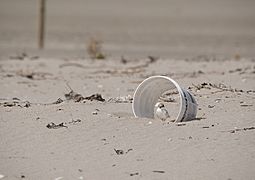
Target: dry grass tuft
(237, 57)
(94, 49)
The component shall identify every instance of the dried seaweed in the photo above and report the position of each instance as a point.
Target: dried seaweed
(76, 97)
(157, 171)
(220, 87)
(58, 101)
(52, 125)
(134, 174)
(18, 103)
(95, 97)
(119, 151)
(73, 122)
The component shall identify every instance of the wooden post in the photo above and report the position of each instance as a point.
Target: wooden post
(41, 24)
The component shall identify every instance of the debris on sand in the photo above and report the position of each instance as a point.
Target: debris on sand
(242, 129)
(134, 174)
(29, 75)
(58, 101)
(129, 70)
(119, 151)
(95, 97)
(73, 122)
(95, 112)
(157, 171)
(52, 125)
(211, 106)
(153, 59)
(16, 103)
(243, 104)
(205, 127)
(244, 70)
(129, 150)
(23, 56)
(123, 60)
(76, 97)
(218, 87)
(121, 99)
(33, 75)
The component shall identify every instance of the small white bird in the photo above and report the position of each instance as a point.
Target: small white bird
(161, 112)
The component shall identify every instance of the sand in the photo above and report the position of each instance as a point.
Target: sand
(51, 127)
(219, 144)
(169, 29)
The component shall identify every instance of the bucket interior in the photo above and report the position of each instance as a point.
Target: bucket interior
(149, 92)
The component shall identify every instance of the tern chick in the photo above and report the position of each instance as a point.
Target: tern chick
(161, 112)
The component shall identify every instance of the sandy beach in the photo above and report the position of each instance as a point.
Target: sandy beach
(64, 115)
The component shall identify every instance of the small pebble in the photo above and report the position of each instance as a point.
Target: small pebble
(1, 176)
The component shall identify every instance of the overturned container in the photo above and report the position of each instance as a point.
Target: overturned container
(151, 89)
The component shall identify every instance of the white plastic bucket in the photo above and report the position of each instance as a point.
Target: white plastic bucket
(149, 91)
